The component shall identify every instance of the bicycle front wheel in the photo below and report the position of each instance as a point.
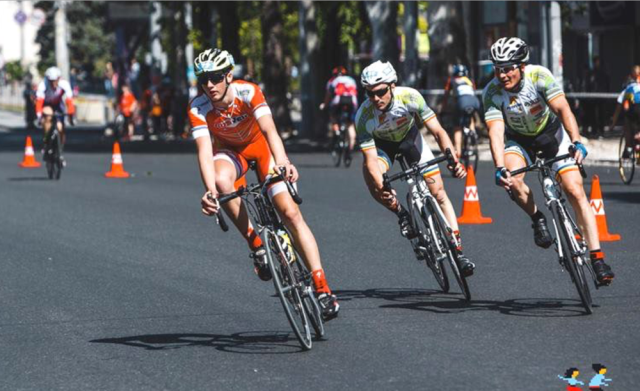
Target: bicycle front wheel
(626, 161)
(575, 261)
(289, 289)
(444, 235)
(309, 298)
(423, 247)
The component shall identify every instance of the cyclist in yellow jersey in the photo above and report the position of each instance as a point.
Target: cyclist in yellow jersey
(525, 104)
(467, 104)
(385, 127)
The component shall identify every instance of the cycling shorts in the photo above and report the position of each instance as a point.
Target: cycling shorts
(547, 145)
(413, 148)
(345, 105)
(239, 157)
(466, 106)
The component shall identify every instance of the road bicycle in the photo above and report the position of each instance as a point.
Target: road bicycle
(569, 242)
(53, 150)
(291, 277)
(435, 242)
(469, 155)
(340, 151)
(628, 157)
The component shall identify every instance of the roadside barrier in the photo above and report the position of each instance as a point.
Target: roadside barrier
(597, 205)
(117, 167)
(29, 160)
(471, 213)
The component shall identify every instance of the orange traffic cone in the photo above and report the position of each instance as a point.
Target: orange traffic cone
(29, 160)
(471, 213)
(117, 169)
(597, 205)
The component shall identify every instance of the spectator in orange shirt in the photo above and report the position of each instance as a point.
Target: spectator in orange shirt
(128, 106)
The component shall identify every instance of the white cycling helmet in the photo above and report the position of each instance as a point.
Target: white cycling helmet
(53, 73)
(378, 72)
(213, 60)
(509, 50)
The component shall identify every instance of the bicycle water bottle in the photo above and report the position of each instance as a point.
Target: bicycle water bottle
(285, 242)
(550, 188)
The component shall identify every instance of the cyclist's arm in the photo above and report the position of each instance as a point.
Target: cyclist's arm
(616, 114)
(496, 140)
(441, 136)
(372, 169)
(561, 108)
(268, 128)
(205, 162)
(68, 98)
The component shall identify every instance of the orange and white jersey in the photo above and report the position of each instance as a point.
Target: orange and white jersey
(236, 125)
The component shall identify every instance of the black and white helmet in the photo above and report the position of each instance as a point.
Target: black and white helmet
(213, 60)
(378, 72)
(509, 50)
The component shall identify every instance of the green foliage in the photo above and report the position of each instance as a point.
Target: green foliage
(14, 70)
(91, 42)
(251, 36)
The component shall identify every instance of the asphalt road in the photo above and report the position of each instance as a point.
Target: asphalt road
(123, 284)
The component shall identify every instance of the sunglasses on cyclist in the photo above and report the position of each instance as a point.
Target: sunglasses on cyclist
(506, 68)
(214, 78)
(378, 93)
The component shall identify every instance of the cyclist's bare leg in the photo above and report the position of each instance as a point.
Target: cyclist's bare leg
(436, 187)
(226, 176)
(302, 235)
(521, 192)
(63, 136)
(457, 140)
(572, 185)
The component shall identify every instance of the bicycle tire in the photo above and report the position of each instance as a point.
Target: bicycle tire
(288, 290)
(336, 150)
(471, 151)
(58, 159)
(445, 235)
(346, 152)
(573, 262)
(626, 165)
(309, 299)
(422, 241)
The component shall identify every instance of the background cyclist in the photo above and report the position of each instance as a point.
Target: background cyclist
(232, 124)
(466, 102)
(386, 125)
(56, 93)
(525, 103)
(629, 100)
(341, 93)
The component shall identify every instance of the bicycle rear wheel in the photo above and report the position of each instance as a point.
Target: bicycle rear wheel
(289, 290)
(336, 150)
(470, 150)
(423, 247)
(626, 161)
(575, 261)
(444, 234)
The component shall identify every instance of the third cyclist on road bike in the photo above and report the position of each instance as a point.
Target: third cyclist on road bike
(466, 105)
(525, 103)
(386, 126)
(341, 94)
(232, 124)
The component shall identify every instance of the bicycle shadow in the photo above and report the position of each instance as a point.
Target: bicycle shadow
(27, 179)
(249, 342)
(454, 303)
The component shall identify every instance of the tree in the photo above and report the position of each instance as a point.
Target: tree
(383, 16)
(274, 75)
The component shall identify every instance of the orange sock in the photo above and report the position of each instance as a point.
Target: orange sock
(320, 281)
(253, 239)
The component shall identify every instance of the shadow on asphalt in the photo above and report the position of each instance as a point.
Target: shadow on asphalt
(26, 179)
(250, 342)
(632, 197)
(451, 303)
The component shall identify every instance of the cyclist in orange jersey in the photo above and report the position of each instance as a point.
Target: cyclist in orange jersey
(232, 124)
